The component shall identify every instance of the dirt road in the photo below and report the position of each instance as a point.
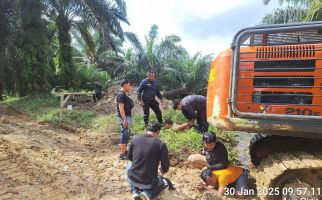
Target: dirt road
(38, 161)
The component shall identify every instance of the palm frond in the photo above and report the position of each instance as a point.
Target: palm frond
(135, 42)
(314, 12)
(7, 13)
(290, 14)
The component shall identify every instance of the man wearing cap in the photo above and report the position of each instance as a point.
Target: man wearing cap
(124, 106)
(146, 152)
(147, 91)
(215, 155)
(194, 108)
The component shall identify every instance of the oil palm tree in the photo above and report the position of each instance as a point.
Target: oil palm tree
(290, 14)
(313, 10)
(7, 23)
(151, 56)
(170, 60)
(104, 16)
(89, 51)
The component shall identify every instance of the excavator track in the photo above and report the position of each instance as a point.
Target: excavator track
(286, 173)
(296, 174)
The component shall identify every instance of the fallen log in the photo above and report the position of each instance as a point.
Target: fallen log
(175, 94)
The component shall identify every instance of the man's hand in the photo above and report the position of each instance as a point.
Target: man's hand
(191, 122)
(161, 103)
(141, 103)
(124, 123)
(201, 186)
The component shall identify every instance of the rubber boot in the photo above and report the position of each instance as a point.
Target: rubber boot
(123, 150)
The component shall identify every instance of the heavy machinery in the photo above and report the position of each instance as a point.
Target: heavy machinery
(270, 83)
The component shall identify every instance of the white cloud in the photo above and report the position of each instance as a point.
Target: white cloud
(205, 9)
(170, 14)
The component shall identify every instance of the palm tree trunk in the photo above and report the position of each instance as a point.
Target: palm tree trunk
(66, 67)
(1, 73)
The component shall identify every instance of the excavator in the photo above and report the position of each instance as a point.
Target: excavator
(270, 83)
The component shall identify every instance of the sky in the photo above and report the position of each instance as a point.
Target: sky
(207, 26)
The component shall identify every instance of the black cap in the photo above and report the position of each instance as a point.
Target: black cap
(205, 174)
(209, 137)
(154, 126)
(124, 81)
(175, 104)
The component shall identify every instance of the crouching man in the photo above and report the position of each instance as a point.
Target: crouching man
(214, 155)
(222, 180)
(146, 152)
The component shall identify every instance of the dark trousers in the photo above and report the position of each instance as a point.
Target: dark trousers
(202, 121)
(154, 105)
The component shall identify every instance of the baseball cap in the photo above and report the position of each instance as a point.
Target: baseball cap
(209, 137)
(154, 126)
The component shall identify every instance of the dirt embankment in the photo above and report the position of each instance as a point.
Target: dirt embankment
(107, 105)
(38, 161)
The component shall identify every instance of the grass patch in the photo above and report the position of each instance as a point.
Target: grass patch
(33, 104)
(178, 142)
(45, 108)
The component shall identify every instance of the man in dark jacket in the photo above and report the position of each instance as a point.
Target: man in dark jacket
(147, 91)
(194, 108)
(215, 155)
(146, 152)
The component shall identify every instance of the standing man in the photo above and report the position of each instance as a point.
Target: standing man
(124, 106)
(194, 107)
(146, 152)
(214, 155)
(147, 91)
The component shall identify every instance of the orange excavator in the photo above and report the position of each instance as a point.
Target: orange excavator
(270, 83)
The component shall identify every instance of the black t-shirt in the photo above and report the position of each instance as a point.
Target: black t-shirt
(128, 103)
(218, 157)
(146, 152)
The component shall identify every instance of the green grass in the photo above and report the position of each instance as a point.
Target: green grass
(180, 142)
(32, 104)
(45, 108)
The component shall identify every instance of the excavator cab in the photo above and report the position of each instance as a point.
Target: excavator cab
(270, 83)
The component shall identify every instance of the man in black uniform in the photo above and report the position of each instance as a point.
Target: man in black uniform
(124, 107)
(214, 155)
(147, 91)
(194, 107)
(146, 152)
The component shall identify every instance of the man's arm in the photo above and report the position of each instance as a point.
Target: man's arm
(122, 112)
(140, 90)
(221, 190)
(182, 127)
(165, 163)
(190, 114)
(158, 92)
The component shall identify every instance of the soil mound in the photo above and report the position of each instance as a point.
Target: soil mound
(107, 105)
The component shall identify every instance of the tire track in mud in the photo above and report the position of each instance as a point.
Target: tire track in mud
(38, 161)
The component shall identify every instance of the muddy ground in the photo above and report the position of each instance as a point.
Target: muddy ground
(39, 161)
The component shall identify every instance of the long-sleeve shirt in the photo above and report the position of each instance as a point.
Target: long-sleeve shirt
(217, 158)
(148, 90)
(192, 104)
(146, 152)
